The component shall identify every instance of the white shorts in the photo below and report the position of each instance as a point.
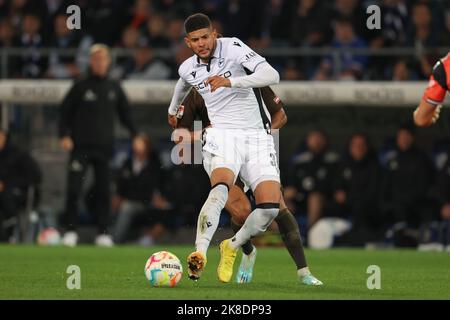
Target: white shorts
(248, 153)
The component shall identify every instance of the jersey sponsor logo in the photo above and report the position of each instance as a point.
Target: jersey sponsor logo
(193, 73)
(221, 61)
(235, 43)
(276, 100)
(203, 85)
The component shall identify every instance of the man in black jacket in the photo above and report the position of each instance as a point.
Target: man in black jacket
(309, 184)
(18, 172)
(87, 130)
(405, 191)
(139, 186)
(356, 191)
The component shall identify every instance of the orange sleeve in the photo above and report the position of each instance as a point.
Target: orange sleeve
(434, 93)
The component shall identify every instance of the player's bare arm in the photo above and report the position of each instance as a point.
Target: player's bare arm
(279, 119)
(426, 114)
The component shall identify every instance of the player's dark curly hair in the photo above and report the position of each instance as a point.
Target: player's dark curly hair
(195, 22)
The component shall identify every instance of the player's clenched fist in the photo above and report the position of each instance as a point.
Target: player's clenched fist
(217, 81)
(172, 120)
(428, 111)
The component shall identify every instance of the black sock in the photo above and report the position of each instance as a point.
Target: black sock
(247, 247)
(290, 234)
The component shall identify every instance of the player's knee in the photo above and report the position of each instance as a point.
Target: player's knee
(269, 211)
(218, 194)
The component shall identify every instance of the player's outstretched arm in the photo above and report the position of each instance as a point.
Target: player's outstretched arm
(426, 114)
(181, 90)
(429, 108)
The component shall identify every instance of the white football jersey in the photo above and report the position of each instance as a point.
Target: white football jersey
(228, 108)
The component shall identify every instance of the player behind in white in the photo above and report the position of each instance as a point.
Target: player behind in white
(225, 72)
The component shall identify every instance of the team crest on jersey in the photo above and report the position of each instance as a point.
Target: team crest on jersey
(90, 96)
(213, 145)
(276, 100)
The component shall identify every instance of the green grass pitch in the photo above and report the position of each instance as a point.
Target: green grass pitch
(31, 272)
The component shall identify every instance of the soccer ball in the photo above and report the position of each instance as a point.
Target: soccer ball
(49, 237)
(163, 269)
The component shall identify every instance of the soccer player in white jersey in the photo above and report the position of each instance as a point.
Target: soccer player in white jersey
(227, 74)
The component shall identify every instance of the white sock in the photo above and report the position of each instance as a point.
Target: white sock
(208, 219)
(256, 223)
(303, 272)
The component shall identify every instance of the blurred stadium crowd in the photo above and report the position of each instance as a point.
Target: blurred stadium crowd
(398, 195)
(141, 28)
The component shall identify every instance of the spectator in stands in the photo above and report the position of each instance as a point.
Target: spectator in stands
(147, 66)
(175, 32)
(7, 40)
(155, 33)
(242, 19)
(15, 10)
(402, 72)
(6, 33)
(352, 11)
(18, 173)
(309, 185)
(351, 66)
(139, 187)
(131, 39)
(141, 12)
(422, 35)
(445, 36)
(276, 23)
(63, 66)
(178, 8)
(31, 64)
(87, 130)
(310, 23)
(405, 191)
(394, 22)
(103, 20)
(291, 72)
(355, 195)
